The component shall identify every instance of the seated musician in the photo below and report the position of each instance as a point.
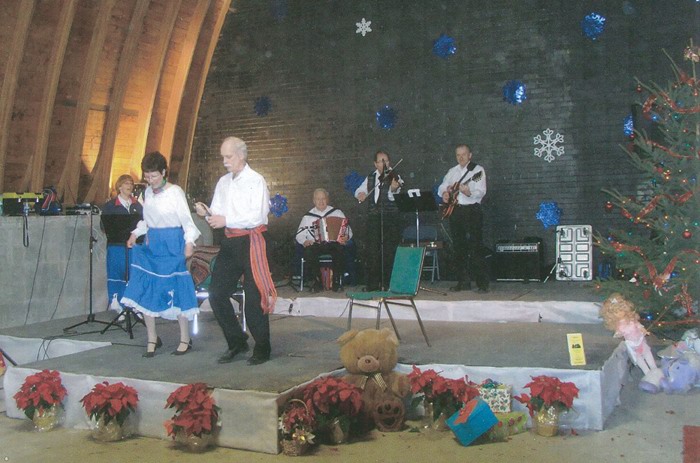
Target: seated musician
(315, 244)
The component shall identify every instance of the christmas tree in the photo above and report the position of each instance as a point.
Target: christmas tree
(657, 257)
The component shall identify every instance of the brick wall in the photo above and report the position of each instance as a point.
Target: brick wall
(326, 82)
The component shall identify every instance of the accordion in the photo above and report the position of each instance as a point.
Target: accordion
(330, 229)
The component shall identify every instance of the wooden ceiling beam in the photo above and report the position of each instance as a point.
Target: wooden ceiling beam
(194, 88)
(68, 184)
(99, 186)
(181, 73)
(166, 26)
(11, 74)
(34, 176)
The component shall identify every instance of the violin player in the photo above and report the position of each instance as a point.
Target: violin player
(464, 187)
(383, 220)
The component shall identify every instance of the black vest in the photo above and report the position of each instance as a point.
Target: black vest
(375, 207)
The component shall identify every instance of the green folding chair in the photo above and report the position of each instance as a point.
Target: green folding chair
(405, 279)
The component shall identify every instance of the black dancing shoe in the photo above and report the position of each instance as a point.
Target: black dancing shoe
(257, 359)
(461, 286)
(183, 352)
(230, 354)
(149, 354)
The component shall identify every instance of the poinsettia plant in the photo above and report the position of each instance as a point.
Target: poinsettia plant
(446, 395)
(548, 391)
(297, 421)
(110, 402)
(330, 398)
(196, 412)
(40, 391)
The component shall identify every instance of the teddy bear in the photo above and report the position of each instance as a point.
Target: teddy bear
(369, 356)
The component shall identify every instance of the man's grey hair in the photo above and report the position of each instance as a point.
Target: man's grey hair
(237, 145)
(322, 190)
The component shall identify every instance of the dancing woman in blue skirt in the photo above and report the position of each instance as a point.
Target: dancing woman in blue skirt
(159, 283)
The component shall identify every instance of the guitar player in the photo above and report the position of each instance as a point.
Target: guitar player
(463, 187)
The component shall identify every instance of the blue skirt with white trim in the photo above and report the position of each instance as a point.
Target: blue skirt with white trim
(159, 283)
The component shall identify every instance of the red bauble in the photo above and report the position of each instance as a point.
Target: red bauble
(687, 234)
(608, 206)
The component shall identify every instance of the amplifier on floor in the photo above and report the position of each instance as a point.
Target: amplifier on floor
(518, 261)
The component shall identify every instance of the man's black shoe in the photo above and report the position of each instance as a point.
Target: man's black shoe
(257, 359)
(461, 286)
(316, 287)
(230, 354)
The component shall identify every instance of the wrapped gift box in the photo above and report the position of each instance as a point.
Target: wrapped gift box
(508, 424)
(472, 421)
(497, 396)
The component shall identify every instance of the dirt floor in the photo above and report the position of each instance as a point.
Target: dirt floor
(643, 428)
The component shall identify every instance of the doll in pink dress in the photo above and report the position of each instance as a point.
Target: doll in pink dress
(619, 315)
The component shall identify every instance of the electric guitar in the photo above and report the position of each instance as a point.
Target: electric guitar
(454, 192)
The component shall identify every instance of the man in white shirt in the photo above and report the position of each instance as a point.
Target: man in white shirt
(383, 221)
(309, 236)
(465, 184)
(240, 206)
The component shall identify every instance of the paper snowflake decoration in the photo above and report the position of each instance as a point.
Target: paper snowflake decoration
(386, 117)
(549, 214)
(549, 145)
(262, 106)
(593, 25)
(278, 205)
(444, 46)
(363, 27)
(353, 181)
(514, 92)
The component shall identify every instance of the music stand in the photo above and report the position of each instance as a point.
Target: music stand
(91, 315)
(417, 201)
(118, 228)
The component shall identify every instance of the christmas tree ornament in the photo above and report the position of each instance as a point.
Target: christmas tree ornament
(608, 206)
(687, 234)
(628, 126)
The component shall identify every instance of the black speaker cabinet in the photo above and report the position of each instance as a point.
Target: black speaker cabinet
(518, 262)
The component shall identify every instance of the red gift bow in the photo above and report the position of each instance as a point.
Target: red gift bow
(466, 411)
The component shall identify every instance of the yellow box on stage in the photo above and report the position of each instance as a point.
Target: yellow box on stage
(577, 356)
(13, 203)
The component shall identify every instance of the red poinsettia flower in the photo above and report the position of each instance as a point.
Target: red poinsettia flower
(548, 391)
(110, 401)
(329, 398)
(196, 412)
(446, 395)
(40, 391)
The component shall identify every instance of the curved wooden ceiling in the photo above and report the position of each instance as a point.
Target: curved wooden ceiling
(88, 86)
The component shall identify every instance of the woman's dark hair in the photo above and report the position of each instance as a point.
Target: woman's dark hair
(154, 162)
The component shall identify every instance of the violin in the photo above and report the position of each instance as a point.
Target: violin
(389, 174)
